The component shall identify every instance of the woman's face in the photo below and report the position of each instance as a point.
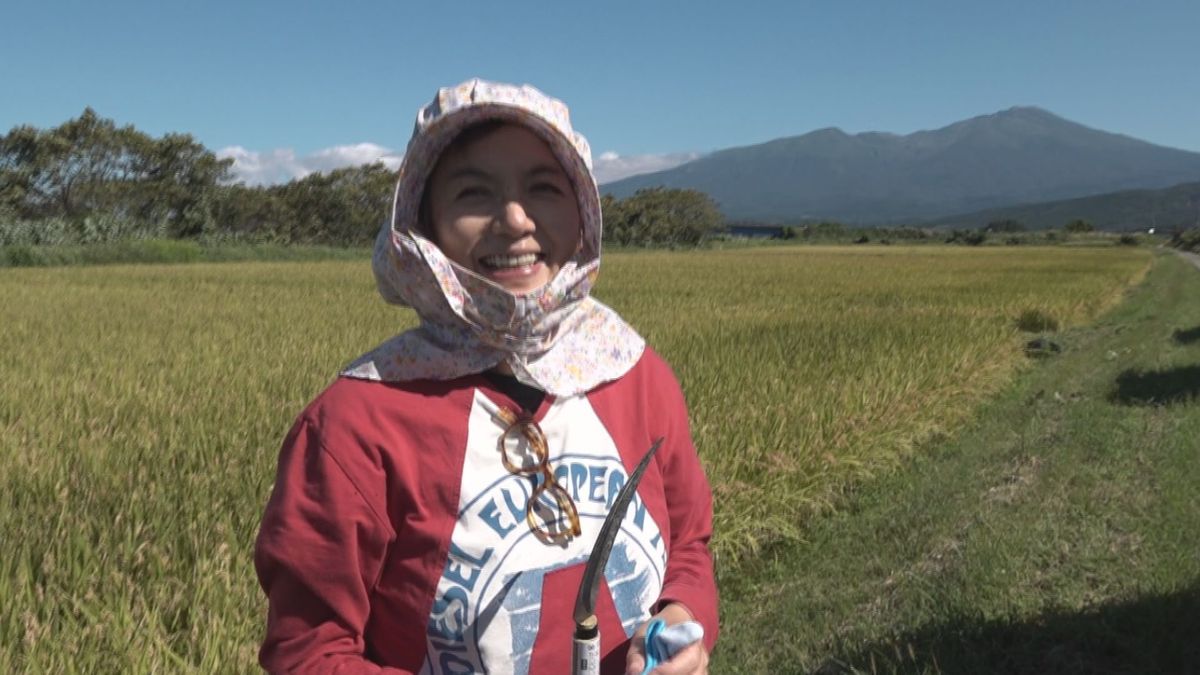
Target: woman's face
(502, 206)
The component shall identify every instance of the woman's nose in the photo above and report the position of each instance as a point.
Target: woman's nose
(515, 221)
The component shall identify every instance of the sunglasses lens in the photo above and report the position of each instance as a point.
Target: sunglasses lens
(550, 511)
(519, 454)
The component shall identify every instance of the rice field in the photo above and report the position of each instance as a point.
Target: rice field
(141, 408)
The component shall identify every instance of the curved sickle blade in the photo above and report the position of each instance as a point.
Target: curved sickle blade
(585, 602)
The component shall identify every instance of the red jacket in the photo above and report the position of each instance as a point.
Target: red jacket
(395, 539)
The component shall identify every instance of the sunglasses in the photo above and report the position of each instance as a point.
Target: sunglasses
(550, 511)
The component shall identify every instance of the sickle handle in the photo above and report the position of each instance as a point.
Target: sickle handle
(585, 656)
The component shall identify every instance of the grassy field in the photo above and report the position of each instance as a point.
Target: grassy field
(142, 407)
(1058, 534)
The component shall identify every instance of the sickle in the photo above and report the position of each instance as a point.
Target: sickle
(587, 634)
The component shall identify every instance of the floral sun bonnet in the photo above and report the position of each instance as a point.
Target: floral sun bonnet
(556, 338)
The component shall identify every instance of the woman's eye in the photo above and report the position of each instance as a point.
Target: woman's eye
(471, 192)
(546, 188)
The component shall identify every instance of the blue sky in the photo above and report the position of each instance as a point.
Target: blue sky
(289, 87)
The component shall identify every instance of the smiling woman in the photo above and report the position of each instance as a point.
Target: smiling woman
(499, 204)
(425, 548)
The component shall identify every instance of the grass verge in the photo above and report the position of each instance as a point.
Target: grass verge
(167, 251)
(1057, 535)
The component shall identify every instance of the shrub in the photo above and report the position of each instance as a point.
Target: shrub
(826, 229)
(19, 256)
(1187, 240)
(1006, 225)
(968, 237)
(1036, 321)
(661, 217)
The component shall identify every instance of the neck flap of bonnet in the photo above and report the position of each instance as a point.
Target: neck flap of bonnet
(556, 338)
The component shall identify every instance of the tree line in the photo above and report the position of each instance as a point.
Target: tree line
(90, 180)
(89, 166)
(1007, 231)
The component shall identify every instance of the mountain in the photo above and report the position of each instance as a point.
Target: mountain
(1019, 155)
(1175, 207)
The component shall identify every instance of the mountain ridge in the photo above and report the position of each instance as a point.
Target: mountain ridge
(1023, 154)
(1174, 207)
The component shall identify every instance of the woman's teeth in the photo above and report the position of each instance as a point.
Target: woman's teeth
(508, 261)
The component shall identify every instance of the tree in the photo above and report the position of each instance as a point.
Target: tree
(826, 229)
(344, 206)
(661, 217)
(1187, 240)
(617, 228)
(968, 237)
(66, 171)
(1078, 226)
(1006, 225)
(88, 166)
(254, 212)
(178, 179)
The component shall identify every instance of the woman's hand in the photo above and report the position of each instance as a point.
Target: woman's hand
(691, 660)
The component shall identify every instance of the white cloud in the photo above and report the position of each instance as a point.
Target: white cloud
(282, 165)
(610, 166)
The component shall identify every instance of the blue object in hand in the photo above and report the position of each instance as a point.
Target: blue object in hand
(662, 642)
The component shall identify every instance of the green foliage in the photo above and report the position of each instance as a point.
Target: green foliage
(89, 167)
(1187, 240)
(661, 217)
(215, 248)
(1005, 225)
(906, 234)
(1079, 226)
(826, 229)
(132, 251)
(344, 207)
(49, 232)
(967, 237)
(254, 213)
(20, 255)
(91, 229)
(89, 181)
(1036, 320)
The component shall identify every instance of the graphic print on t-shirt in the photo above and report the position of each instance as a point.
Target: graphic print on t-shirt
(486, 610)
